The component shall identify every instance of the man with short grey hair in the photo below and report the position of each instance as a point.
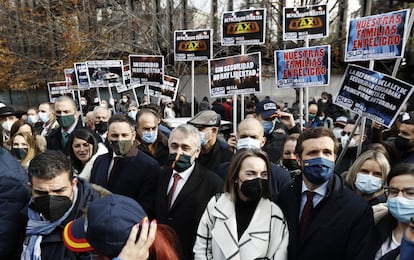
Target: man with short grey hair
(185, 187)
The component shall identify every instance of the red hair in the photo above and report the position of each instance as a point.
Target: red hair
(163, 247)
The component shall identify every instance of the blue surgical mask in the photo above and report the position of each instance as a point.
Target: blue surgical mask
(406, 249)
(247, 143)
(318, 170)
(268, 126)
(203, 139)
(149, 137)
(367, 184)
(401, 208)
(32, 119)
(132, 114)
(44, 117)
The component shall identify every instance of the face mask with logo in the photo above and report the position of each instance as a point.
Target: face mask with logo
(32, 119)
(149, 137)
(318, 170)
(403, 144)
(255, 189)
(132, 115)
(52, 207)
(7, 125)
(19, 153)
(367, 184)
(66, 121)
(121, 148)
(401, 208)
(44, 117)
(247, 143)
(268, 126)
(180, 162)
(101, 127)
(291, 164)
(344, 140)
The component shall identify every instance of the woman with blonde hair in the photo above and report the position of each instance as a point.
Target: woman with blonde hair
(368, 176)
(24, 148)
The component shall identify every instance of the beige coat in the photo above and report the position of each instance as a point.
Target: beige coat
(266, 236)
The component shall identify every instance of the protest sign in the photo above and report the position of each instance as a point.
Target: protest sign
(239, 74)
(167, 90)
(82, 78)
(124, 86)
(70, 78)
(377, 37)
(303, 67)
(308, 22)
(243, 27)
(57, 89)
(105, 73)
(146, 70)
(193, 45)
(372, 94)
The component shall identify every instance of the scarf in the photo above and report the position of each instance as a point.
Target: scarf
(37, 227)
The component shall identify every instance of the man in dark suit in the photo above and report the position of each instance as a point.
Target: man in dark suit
(68, 118)
(125, 169)
(184, 189)
(326, 220)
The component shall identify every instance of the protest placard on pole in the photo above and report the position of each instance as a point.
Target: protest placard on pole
(243, 27)
(57, 89)
(302, 67)
(307, 22)
(146, 70)
(168, 90)
(193, 45)
(377, 37)
(70, 78)
(82, 78)
(240, 74)
(105, 73)
(376, 96)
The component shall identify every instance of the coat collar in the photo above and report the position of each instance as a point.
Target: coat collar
(225, 228)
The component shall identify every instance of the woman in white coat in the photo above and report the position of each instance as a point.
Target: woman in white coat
(242, 223)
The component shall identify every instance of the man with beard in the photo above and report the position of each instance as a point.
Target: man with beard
(57, 198)
(126, 170)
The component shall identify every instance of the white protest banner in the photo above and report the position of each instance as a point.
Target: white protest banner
(105, 73)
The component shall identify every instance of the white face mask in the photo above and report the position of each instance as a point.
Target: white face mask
(132, 115)
(7, 125)
(44, 117)
(367, 184)
(247, 143)
(83, 103)
(32, 119)
(344, 140)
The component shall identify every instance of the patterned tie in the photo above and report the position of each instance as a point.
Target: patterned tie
(170, 194)
(306, 213)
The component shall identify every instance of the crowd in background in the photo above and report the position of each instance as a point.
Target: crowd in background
(284, 186)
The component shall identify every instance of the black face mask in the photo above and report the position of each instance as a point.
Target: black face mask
(52, 207)
(291, 164)
(101, 127)
(180, 164)
(403, 144)
(255, 189)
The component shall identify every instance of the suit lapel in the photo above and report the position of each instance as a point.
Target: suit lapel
(101, 176)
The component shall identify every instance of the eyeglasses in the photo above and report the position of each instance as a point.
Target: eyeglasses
(348, 133)
(393, 192)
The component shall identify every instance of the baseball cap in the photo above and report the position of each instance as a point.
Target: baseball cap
(266, 108)
(205, 118)
(341, 121)
(106, 226)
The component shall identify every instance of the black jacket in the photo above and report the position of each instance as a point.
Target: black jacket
(219, 153)
(341, 225)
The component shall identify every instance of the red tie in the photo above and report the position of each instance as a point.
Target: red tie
(170, 194)
(114, 166)
(306, 213)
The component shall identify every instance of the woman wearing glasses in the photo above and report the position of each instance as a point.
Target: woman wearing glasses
(84, 150)
(400, 204)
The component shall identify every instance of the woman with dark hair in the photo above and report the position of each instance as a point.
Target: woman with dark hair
(84, 150)
(243, 222)
(400, 204)
(22, 126)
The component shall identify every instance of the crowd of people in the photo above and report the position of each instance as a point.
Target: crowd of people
(115, 182)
